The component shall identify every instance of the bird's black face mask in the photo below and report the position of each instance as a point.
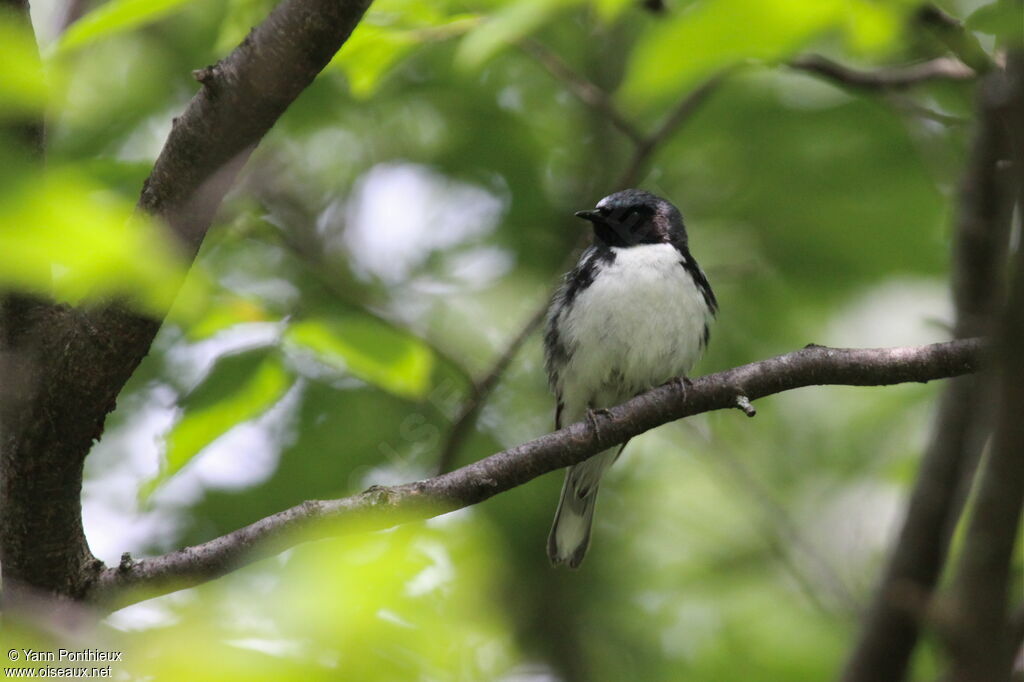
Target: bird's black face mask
(625, 226)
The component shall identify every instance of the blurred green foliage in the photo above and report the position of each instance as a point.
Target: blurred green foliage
(112, 18)
(368, 349)
(720, 34)
(22, 90)
(67, 234)
(398, 226)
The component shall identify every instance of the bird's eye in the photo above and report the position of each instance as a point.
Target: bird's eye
(604, 210)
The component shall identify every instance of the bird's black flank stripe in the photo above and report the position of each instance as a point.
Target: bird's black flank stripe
(576, 281)
(691, 267)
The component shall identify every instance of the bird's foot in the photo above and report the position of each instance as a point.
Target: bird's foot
(592, 415)
(680, 383)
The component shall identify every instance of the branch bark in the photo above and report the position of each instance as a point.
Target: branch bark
(384, 507)
(64, 367)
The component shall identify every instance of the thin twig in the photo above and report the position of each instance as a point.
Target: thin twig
(681, 113)
(382, 507)
(482, 389)
(587, 92)
(961, 42)
(887, 78)
(787, 538)
(306, 245)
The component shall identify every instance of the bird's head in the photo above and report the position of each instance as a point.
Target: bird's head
(632, 217)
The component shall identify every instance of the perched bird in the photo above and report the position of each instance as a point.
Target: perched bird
(632, 314)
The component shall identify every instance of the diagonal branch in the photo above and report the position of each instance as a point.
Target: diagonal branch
(684, 109)
(586, 91)
(470, 409)
(385, 507)
(816, 575)
(949, 30)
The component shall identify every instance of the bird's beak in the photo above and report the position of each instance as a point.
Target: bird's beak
(592, 216)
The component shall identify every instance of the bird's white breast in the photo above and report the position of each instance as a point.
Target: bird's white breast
(639, 323)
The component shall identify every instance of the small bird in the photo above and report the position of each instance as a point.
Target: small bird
(633, 314)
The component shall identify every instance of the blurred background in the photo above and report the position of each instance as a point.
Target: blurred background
(401, 226)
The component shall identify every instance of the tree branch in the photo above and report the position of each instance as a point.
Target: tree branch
(982, 647)
(384, 507)
(891, 628)
(241, 98)
(888, 78)
(63, 367)
(951, 33)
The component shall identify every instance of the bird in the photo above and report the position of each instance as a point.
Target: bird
(634, 313)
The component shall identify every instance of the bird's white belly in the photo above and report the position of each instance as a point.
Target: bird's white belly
(640, 323)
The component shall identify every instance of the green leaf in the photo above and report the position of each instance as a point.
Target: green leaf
(610, 10)
(65, 235)
(111, 18)
(715, 34)
(370, 54)
(1003, 18)
(240, 17)
(505, 27)
(223, 312)
(383, 40)
(22, 83)
(240, 387)
(370, 349)
(871, 27)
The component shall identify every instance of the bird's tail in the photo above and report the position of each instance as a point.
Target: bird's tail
(570, 532)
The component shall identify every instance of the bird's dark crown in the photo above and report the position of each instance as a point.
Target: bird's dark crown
(633, 217)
